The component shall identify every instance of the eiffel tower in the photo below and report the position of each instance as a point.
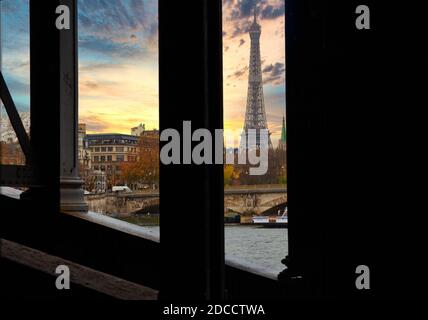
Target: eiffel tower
(255, 115)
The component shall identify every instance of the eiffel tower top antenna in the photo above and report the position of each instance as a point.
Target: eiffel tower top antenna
(255, 13)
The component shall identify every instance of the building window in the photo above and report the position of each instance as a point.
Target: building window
(119, 149)
(103, 149)
(97, 149)
(110, 149)
(103, 158)
(96, 159)
(120, 157)
(109, 158)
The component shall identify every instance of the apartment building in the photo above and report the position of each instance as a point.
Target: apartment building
(109, 151)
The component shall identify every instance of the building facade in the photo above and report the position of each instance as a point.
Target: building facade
(11, 153)
(149, 154)
(83, 152)
(109, 151)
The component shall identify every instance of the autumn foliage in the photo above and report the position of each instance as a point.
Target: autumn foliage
(145, 170)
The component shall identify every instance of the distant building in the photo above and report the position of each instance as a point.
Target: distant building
(149, 141)
(137, 131)
(149, 155)
(150, 133)
(11, 153)
(83, 152)
(109, 151)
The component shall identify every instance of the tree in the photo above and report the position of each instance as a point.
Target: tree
(276, 173)
(145, 169)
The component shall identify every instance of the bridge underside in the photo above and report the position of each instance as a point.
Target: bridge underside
(149, 209)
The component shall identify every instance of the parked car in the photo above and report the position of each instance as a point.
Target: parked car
(121, 189)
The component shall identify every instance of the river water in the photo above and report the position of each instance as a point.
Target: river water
(263, 248)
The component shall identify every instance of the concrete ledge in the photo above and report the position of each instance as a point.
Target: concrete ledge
(247, 266)
(10, 192)
(116, 224)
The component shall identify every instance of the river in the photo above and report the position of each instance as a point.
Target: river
(263, 248)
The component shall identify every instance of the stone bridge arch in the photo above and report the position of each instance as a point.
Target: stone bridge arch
(147, 206)
(254, 202)
(281, 199)
(273, 211)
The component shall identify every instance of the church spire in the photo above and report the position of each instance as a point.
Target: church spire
(283, 132)
(282, 143)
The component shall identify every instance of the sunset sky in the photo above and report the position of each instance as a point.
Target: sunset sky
(118, 61)
(237, 16)
(15, 50)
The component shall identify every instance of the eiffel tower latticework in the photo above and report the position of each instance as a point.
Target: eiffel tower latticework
(255, 115)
